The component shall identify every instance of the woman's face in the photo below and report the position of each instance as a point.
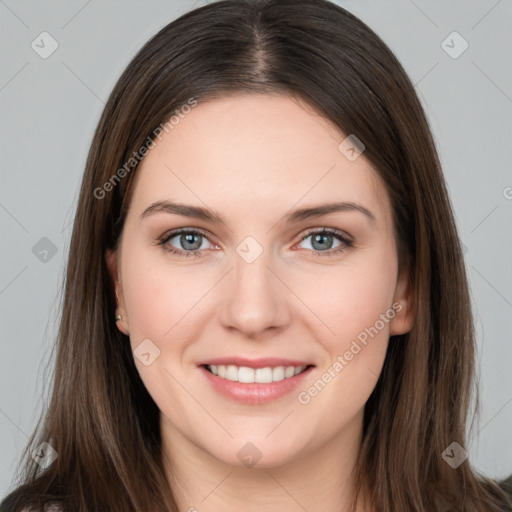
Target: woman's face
(264, 280)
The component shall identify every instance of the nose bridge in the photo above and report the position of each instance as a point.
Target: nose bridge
(255, 300)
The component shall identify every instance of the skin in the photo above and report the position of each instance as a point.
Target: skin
(252, 159)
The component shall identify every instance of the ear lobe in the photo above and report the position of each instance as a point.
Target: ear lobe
(403, 320)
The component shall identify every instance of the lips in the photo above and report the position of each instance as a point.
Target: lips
(255, 363)
(254, 381)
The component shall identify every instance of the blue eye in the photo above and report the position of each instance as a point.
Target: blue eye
(322, 241)
(191, 242)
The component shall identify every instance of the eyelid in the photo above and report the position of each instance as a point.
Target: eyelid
(345, 239)
(163, 239)
(331, 231)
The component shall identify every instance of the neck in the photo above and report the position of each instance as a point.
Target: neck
(322, 475)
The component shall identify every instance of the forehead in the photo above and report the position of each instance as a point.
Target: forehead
(255, 153)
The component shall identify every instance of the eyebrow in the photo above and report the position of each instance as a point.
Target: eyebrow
(298, 215)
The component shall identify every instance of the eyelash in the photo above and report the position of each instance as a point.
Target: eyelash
(346, 242)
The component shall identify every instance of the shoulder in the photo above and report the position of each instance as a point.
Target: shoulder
(506, 486)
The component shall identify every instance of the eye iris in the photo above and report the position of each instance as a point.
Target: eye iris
(321, 237)
(188, 238)
(193, 241)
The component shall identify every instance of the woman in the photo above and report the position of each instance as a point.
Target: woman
(266, 303)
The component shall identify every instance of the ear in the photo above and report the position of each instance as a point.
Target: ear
(403, 304)
(111, 259)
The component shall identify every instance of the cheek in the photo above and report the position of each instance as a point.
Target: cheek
(160, 298)
(357, 308)
(163, 305)
(355, 304)
(350, 297)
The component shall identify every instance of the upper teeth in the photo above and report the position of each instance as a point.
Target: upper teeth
(260, 375)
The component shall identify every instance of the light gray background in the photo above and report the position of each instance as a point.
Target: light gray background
(50, 107)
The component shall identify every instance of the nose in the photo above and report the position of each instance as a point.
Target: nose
(256, 299)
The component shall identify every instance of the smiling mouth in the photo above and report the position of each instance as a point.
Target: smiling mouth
(244, 374)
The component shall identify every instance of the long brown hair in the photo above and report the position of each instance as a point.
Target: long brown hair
(101, 420)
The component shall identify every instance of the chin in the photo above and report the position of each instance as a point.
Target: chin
(257, 453)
